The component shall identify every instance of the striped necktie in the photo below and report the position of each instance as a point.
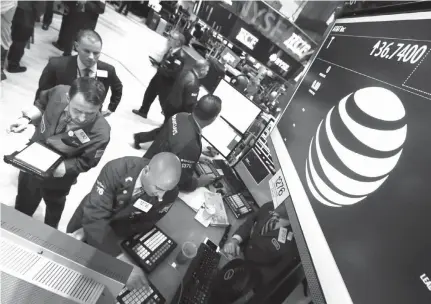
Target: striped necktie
(270, 224)
(137, 193)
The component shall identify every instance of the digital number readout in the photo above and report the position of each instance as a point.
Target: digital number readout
(409, 53)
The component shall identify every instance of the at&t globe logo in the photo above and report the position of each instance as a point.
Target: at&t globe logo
(356, 146)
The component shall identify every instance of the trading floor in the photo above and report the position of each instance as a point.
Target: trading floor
(127, 43)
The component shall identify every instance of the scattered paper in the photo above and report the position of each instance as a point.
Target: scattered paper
(194, 199)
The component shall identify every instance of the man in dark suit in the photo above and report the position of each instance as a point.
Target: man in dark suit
(67, 120)
(63, 70)
(79, 15)
(171, 65)
(182, 97)
(26, 14)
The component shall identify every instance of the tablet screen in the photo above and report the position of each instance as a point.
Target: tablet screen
(38, 157)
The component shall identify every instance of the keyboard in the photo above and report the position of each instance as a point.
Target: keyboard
(199, 277)
(238, 204)
(205, 169)
(149, 249)
(145, 295)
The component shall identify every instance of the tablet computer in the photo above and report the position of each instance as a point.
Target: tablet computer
(35, 159)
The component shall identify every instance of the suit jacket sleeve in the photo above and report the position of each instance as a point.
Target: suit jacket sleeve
(244, 231)
(91, 155)
(48, 78)
(116, 90)
(98, 205)
(190, 93)
(97, 7)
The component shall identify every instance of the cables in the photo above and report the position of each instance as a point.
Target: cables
(174, 265)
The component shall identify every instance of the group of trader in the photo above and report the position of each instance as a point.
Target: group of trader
(131, 193)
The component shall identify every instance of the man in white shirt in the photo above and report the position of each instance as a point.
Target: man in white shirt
(65, 69)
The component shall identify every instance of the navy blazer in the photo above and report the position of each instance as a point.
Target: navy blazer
(64, 70)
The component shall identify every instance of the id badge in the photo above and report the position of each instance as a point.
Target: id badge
(142, 205)
(83, 138)
(282, 235)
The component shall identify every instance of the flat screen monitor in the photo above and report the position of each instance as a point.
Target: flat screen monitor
(222, 136)
(230, 57)
(354, 149)
(237, 109)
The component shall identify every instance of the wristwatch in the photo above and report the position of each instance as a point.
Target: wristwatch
(26, 116)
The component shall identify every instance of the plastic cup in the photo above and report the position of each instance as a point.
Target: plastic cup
(188, 251)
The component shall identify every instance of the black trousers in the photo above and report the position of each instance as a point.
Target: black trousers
(49, 12)
(70, 27)
(30, 193)
(153, 90)
(21, 33)
(125, 4)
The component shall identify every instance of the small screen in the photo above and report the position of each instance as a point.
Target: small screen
(211, 244)
(230, 57)
(237, 109)
(221, 136)
(38, 157)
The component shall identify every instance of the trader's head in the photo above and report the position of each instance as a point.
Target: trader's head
(88, 45)
(85, 99)
(176, 40)
(206, 110)
(161, 175)
(201, 68)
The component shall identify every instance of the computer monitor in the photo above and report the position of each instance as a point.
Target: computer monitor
(237, 109)
(352, 148)
(230, 57)
(222, 136)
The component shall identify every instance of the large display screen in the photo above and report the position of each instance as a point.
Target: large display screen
(237, 109)
(354, 148)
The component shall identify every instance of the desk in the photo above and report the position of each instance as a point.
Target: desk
(180, 225)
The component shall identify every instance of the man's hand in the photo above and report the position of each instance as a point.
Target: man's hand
(78, 234)
(60, 171)
(232, 248)
(205, 180)
(19, 125)
(106, 113)
(137, 279)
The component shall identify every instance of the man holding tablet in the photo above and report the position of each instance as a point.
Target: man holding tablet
(68, 122)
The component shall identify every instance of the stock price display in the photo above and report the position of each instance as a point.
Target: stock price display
(410, 53)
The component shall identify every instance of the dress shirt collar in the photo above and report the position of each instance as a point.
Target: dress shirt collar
(82, 67)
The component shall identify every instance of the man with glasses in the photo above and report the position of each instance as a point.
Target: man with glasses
(169, 67)
(68, 120)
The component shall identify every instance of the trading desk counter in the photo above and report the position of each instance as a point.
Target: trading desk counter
(180, 225)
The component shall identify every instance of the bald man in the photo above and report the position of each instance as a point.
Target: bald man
(130, 195)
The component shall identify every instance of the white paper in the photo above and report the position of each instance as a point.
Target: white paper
(38, 156)
(278, 188)
(194, 199)
(142, 205)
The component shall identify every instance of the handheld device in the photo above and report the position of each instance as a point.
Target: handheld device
(238, 204)
(146, 295)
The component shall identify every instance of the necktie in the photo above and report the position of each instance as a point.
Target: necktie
(270, 224)
(87, 72)
(62, 124)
